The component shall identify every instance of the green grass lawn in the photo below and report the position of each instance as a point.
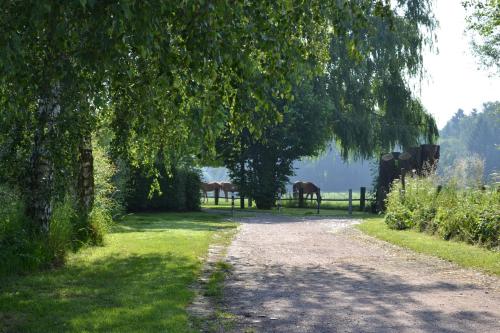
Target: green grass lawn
(463, 254)
(138, 282)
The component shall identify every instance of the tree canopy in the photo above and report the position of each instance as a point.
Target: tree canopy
(173, 76)
(362, 100)
(160, 74)
(483, 22)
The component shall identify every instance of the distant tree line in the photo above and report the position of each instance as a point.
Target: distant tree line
(477, 133)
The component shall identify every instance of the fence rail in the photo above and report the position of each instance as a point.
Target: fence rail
(302, 202)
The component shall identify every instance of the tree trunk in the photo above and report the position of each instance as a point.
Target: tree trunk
(40, 197)
(242, 185)
(86, 188)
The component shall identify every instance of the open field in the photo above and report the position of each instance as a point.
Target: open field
(139, 281)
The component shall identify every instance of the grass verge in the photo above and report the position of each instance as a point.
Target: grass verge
(138, 282)
(465, 255)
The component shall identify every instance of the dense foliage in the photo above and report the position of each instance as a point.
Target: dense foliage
(158, 73)
(176, 189)
(465, 214)
(475, 134)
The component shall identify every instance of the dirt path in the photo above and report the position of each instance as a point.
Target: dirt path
(321, 275)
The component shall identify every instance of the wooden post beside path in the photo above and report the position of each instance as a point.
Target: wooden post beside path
(362, 198)
(232, 204)
(350, 202)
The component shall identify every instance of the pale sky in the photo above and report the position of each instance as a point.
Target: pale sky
(454, 79)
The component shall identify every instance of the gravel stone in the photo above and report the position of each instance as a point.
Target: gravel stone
(317, 274)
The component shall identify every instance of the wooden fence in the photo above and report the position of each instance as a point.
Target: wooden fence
(302, 202)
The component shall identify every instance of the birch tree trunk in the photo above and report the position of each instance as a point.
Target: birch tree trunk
(40, 197)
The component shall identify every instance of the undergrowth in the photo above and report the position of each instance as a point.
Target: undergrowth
(469, 214)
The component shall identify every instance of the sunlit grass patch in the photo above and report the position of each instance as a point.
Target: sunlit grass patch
(138, 282)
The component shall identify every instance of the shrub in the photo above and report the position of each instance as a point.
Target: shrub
(454, 212)
(99, 222)
(21, 249)
(110, 189)
(398, 216)
(177, 190)
(17, 252)
(60, 232)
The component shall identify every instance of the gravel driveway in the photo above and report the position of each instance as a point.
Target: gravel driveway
(322, 275)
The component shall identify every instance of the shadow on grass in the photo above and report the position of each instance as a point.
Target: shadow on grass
(135, 293)
(348, 298)
(121, 287)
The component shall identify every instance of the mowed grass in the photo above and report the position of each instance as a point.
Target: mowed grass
(463, 254)
(138, 282)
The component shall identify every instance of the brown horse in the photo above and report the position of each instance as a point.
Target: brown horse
(228, 187)
(309, 190)
(209, 187)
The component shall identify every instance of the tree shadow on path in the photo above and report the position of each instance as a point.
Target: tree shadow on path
(351, 298)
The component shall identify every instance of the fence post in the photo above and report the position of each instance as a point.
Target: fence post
(362, 198)
(301, 198)
(249, 201)
(318, 199)
(232, 204)
(216, 196)
(403, 184)
(242, 201)
(350, 202)
(279, 202)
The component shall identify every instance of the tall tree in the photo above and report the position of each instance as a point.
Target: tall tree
(260, 163)
(362, 100)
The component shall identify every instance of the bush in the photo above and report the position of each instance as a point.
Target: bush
(110, 189)
(469, 215)
(178, 190)
(23, 250)
(60, 232)
(99, 222)
(18, 252)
